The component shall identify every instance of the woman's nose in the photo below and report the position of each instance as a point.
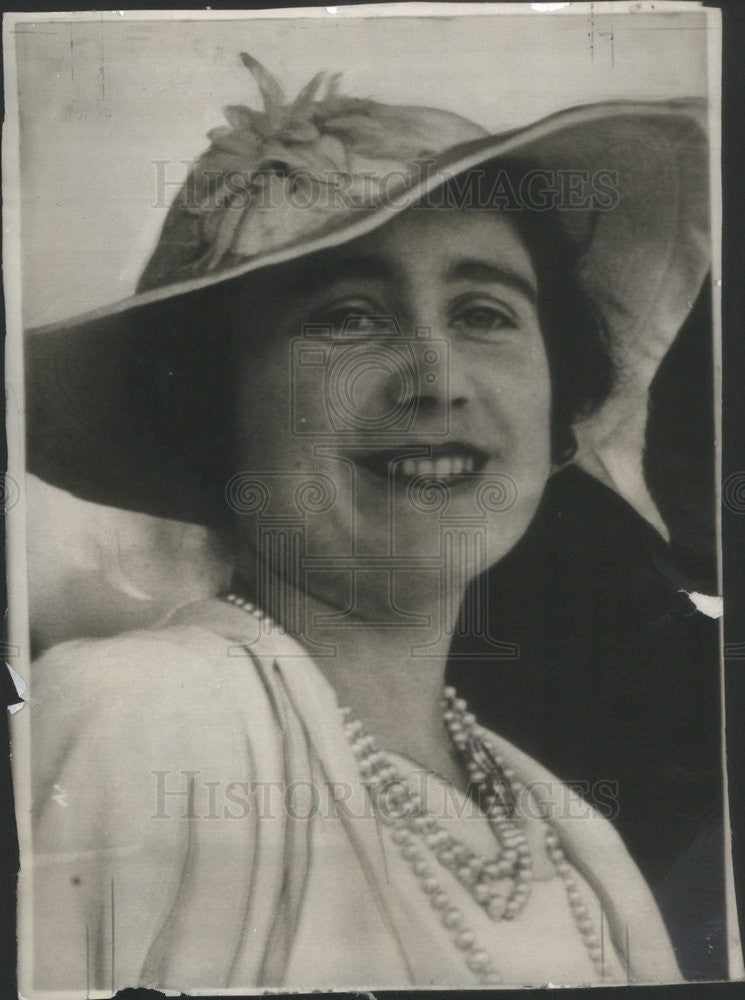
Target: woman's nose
(430, 377)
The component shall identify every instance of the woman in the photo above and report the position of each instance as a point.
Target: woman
(367, 337)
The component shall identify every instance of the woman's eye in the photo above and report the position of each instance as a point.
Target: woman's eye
(356, 322)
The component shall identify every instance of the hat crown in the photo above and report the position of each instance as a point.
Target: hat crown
(273, 176)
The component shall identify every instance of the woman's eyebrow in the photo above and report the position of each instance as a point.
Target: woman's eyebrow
(340, 268)
(473, 269)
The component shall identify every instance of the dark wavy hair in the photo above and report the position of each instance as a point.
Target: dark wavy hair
(578, 347)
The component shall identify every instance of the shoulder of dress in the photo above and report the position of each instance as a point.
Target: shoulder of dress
(204, 664)
(156, 663)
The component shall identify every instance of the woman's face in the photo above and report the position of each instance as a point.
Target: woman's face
(394, 418)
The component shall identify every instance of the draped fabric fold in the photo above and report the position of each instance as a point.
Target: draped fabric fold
(184, 855)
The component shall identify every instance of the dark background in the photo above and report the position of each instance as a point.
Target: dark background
(616, 681)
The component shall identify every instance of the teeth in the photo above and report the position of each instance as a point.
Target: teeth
(442, 467)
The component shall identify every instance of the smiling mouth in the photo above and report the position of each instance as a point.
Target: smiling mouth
(453, 463)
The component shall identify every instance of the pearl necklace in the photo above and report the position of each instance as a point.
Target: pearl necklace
(500, 885)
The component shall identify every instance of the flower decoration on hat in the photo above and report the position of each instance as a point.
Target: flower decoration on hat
(276, 175)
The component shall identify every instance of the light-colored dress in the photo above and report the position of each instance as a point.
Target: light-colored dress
(200, 822)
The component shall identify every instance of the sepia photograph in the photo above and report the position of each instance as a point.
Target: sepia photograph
(364, 427)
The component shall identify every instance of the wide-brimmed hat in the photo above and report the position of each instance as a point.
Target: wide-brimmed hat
(626, 182)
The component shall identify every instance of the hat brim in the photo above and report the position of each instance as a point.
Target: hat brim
(641, 260)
